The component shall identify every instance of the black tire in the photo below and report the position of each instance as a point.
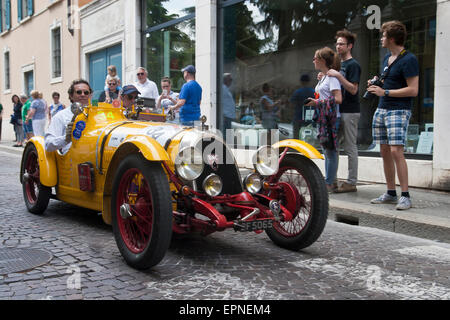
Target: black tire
(153, 203)
(36, 195)
(302, 231)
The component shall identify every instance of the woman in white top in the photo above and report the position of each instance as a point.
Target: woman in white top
(324, 60)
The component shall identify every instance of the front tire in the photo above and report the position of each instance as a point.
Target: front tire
(311, 204)
(143, 229)
(35, 194)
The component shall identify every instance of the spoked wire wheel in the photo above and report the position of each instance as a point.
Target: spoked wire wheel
(141, 211)
(35, 194)
(135, 217)
(308, 203)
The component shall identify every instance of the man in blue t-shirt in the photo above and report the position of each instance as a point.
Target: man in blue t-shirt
(298, 100)
(391, 119)
(189, 99)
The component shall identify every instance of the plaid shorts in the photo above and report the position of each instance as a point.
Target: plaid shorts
(389, 126)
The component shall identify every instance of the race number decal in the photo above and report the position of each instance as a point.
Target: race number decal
(161, 133)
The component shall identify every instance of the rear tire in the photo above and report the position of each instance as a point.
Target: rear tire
(309, 221)
(143, 238)
(36, 195)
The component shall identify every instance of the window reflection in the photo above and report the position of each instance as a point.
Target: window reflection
(273, 42)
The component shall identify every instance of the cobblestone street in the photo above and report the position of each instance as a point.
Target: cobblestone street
(347, 262)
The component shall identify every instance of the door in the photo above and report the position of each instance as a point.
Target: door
(98, 62)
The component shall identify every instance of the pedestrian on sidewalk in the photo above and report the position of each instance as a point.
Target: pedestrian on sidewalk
(17, 120)
(329, 97)
(189, 99)
(37, 113)
(1, 120)
(27, 125)
(400, 79)
(349, 77)
(55, 107)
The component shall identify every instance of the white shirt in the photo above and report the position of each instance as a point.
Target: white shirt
(148, 89)
(325, 89)
(166, 103)
(55, 137)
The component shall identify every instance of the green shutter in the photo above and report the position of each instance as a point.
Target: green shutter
(8, 15)
(19, 10)
(30, 7)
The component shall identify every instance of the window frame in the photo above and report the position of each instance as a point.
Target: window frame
(7, 70)
(58, 78)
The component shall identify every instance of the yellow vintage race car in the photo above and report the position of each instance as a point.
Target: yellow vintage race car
(151, 180)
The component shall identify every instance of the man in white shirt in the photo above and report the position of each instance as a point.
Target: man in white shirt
(59, 133)
(147, 87)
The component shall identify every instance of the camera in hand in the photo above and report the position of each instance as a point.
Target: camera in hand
(374, 82)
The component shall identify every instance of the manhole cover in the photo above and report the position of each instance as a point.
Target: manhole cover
(16, 260)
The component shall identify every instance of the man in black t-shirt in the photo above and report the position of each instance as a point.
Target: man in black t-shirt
(391, 119)
(349, 77)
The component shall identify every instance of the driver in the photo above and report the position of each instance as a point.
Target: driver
(59, 132)
(128, 95)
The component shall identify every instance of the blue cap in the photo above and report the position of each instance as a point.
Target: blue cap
(130, 89)
(189, 68)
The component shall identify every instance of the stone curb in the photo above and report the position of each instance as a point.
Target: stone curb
(379, 216)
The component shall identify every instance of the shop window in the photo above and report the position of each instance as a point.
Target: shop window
(272, 43)
(169, 39)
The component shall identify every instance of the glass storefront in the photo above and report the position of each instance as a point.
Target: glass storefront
(271, 44)
(169, 39)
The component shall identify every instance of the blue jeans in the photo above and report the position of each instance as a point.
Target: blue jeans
(187, 123)
(331, 161)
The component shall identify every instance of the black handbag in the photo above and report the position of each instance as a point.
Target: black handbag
(13, 119)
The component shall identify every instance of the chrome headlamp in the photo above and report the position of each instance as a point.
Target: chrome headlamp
(189, 163)
(265, 161)
(212, 185)
(253, 183)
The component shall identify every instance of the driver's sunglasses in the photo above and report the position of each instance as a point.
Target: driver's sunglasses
(140, 73)
(131, 96)
(86, 92)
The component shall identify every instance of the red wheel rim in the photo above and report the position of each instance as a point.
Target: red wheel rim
(135, 230)
(295, 178)
(31, 177)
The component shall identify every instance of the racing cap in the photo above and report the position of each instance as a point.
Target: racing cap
(130, 89)
(190, 68)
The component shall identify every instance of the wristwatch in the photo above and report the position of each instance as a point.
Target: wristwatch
(386, 93)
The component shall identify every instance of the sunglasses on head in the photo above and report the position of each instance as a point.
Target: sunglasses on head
(86, 92)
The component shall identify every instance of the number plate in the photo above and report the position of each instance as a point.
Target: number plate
(253, 225)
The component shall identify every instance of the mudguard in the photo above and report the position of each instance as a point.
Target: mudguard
(48, 173)
(150, 149)
(304, 148)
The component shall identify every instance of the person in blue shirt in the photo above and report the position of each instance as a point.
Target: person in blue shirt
(189, 99)
(297, 99)
(391, 119)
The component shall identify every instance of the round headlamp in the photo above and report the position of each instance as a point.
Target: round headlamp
(265, 161)
(253, 183)
(189, 163)
(212, 185)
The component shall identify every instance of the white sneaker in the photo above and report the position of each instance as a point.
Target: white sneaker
(385, 198)
(404, 203)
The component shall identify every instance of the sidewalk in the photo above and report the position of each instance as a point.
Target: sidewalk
(428, 218)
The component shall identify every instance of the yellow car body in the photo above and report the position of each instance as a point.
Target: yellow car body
(105, 137)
